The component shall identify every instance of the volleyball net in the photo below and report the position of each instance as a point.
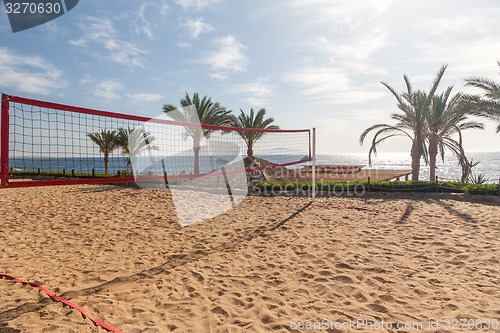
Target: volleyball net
(44, 143)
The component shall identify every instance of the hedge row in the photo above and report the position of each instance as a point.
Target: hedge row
(385, 186)
(48, 173)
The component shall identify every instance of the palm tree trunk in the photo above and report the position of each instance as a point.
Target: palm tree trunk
(466, 169)
(128, 162)
(433, 151)
(250, 150)
(106, 162)
(416, 154)
(196, 150)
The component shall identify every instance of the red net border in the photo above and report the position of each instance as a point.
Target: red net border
(4, 144)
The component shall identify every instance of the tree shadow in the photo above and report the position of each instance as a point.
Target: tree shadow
(441, 200)
(104, 188)
(437, 198)
(4, 328)
(11, 314)
(406, 214)
(449, 208)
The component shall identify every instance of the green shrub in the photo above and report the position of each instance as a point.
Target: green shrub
(386, 186)
(49, 173)
(484, 189)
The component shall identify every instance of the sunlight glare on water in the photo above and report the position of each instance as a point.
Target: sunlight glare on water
(449, 170)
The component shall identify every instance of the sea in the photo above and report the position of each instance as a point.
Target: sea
(489, 165)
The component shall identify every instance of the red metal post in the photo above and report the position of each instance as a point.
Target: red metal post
(4, 141)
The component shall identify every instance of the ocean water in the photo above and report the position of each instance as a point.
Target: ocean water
(173, 164)
(448, 170)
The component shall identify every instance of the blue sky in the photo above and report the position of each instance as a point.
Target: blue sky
(311, 63)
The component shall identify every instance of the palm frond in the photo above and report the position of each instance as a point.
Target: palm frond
(376, 143)
(490, 87)
(255, 121)
(437, 80)
(377, 126)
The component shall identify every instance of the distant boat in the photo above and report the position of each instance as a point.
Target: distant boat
(305, 158)
(221, 161)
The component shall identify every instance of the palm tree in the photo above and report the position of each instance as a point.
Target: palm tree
(255, 121)
(447, 117)
(487, 105)
(411, 123)
(198, 111)
(134, 141)
(106, 140)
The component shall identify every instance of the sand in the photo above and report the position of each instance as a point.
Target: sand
(271, 265)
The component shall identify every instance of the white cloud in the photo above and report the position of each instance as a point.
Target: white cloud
(197, 26)
(354, 53)
(219, 76)
(164, 9)
(108, 89)
(79, 42)
(144, 24)
(196, 4)
(471, 57)
(87, 79)
(148, 18)
(467, 41)
(100, 33)
(328, 85)
(477, 22)
(29, 73)
(184, 45)
(345, 61)
(341, 55)
(226, 57)
(340, 15)
(256, 93)
(145, 97)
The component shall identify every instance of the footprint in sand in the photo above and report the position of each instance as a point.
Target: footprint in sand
(305, 275)
(150, 330)
(348, 290)
(343, 279)
(343, 266)
(381, 280)
(321, 280)
(198, 276)
(243, 323)
(267, 319)
(360, 297)
(238, 302)
(220, 311)
(272, 306)
(387, 298)
(434, 282)
(378, 308)
(450, 307)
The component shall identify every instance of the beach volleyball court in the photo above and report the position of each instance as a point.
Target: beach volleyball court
(269, 265)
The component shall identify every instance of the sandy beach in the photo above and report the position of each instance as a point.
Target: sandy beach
(273, 264)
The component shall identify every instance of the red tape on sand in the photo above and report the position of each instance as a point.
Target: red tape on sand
(53, 296)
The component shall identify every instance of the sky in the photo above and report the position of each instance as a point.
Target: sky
(310, 63)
